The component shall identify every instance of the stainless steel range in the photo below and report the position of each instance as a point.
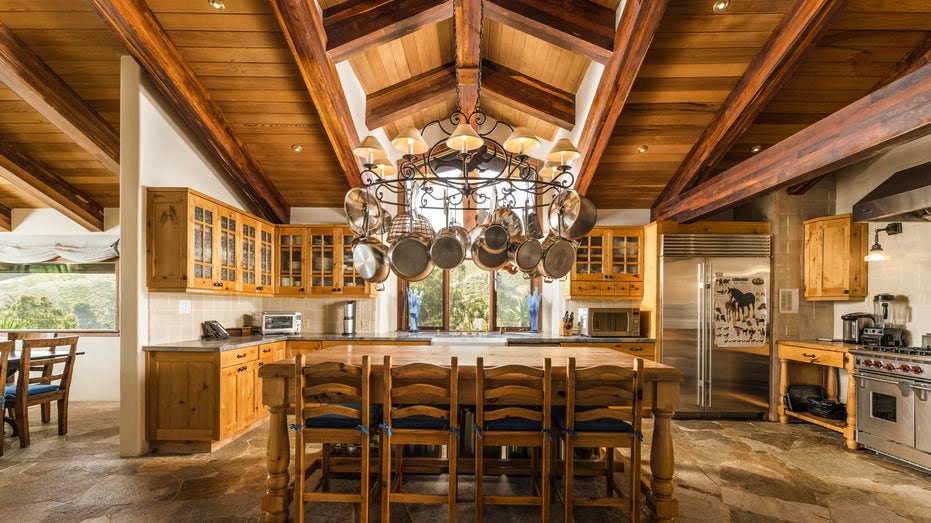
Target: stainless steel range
(893, 405)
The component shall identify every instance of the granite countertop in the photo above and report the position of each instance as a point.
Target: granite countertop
(823, 344)
(511, 338)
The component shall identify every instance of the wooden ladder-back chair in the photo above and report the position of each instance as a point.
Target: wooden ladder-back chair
(36, 367)
(421, 407)
(604, 408)
(53, 383)
(333, 405)
(513, 405)
(6, 347)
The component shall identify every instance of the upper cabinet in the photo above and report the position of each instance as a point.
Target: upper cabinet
(317, 260)
(608, 264)
(834, 264)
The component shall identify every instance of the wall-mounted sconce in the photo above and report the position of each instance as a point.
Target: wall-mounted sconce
(876, 251)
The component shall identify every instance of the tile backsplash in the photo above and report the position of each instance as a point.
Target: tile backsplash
(177, 316)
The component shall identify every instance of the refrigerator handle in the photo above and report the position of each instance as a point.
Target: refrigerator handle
(702, 333)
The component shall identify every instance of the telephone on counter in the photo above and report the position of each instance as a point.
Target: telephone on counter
(213, 330)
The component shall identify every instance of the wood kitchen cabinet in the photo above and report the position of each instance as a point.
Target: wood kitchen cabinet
(316, 260)
(198, 401)
(291, 245)
(834, 264)
(608, 264)
(646, 350)
(257, 238)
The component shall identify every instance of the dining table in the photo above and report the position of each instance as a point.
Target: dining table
(13, 367)
(661, 395)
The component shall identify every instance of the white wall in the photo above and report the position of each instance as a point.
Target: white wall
(907, 272)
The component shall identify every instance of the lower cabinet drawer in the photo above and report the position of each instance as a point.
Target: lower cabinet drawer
(809, 355)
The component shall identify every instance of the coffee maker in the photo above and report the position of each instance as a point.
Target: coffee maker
(887, 332)
(349, 318)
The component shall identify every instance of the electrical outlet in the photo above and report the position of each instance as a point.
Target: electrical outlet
(184, 306)
(791, 330)
(364, 325)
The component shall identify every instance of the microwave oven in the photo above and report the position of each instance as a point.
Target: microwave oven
(277, 322)
(609, 321)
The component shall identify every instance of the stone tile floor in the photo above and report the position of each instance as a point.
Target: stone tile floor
(727, 471)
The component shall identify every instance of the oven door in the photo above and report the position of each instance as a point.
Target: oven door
(923, 416)
(886, 408)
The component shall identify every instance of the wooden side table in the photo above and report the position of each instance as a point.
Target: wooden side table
(829, 356)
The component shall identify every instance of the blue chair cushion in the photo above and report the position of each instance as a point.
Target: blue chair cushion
(420, 422)
(336, 421)
(595, 425)
(10, 390)
(512, 423)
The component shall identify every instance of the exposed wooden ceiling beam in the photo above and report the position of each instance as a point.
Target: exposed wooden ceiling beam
(468, 18)
(138, 30)
(916, 58)
(304, 31)
(32, 80)
(403, 99)
(36, 179)
(580, 26)
(890, 116)
(631, 42)
(410, 96)
(353, 26)
(528, 95)
(798, 31)
(6, 218)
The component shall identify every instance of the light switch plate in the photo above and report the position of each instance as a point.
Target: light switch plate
(184, 306)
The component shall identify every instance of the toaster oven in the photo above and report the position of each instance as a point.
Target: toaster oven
(277, 322)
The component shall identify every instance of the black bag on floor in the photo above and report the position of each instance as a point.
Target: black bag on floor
(798, 396)
(827, 408)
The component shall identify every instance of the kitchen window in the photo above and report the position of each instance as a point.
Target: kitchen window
(58, 296)
(466, 294)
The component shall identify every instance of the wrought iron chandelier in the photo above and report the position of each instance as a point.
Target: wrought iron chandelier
(466, 167)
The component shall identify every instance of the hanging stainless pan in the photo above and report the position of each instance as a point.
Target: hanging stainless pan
(492, 237)
(584, 222)
(409, 254)
(558, 257)
(363, 213)
(450, 246)
(370, 259)
(507, 217)
(488, 261)
(525, 252)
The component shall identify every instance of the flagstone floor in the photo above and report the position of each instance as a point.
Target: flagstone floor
(727, 471)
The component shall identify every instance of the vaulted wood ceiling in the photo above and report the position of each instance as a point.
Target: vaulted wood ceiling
(813, 84)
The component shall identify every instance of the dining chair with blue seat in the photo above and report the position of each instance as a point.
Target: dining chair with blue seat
(333, 405)
(603, 409)
(513, 407)
(51, 384)
(421, 408)
(6, 347)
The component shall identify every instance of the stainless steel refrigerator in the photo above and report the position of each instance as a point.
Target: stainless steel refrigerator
(714, 321)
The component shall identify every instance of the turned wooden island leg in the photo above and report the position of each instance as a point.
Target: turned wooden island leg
(850, 431)
(661, 498)
(277, 499)
(783, 385)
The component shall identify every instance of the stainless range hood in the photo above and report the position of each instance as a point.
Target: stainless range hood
(904, 197)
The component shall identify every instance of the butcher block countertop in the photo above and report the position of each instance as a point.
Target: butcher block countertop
(838, 346)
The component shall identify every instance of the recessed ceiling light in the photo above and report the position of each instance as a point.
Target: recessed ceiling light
(217, 4)
(720, 5)
(756, 148)
(297, 147)
(642, 149)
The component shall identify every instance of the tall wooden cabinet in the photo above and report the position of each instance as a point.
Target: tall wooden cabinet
(834, 264)
(608, 264)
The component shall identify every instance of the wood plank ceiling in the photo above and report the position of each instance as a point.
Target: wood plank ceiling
(696, 91)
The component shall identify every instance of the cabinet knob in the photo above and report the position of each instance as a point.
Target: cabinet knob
(846, 291)
(243, 355)
(259, 288)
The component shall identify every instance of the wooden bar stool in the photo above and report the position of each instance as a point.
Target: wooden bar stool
(421, 407)
(604, 408)
(332, 405)
(513, 406)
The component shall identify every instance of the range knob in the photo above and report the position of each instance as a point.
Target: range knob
(868, 363)
(917, 370)
(889, 367)
(904, 367)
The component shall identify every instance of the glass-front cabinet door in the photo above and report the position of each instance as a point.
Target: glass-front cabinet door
(351, 283)
(203, 231)
(248, 256)
(229, 249)
(289, 275)
(590, 257)
(265, 250)
(323, 266)
(626, 254)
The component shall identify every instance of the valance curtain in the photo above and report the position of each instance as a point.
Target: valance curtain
(78, 249)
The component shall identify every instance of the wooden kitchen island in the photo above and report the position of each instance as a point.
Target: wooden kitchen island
(661, 393)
